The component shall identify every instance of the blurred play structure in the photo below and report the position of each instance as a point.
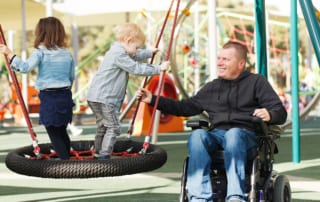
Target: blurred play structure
(266, 55)
(193, 55)
(13, 107)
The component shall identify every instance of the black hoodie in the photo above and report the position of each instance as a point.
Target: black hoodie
(229, 103)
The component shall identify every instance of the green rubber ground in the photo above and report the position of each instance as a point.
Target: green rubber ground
(160, 185)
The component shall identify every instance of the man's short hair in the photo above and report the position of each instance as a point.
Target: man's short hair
(241, 49)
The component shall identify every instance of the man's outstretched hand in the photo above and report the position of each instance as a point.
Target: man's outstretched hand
(144, 95)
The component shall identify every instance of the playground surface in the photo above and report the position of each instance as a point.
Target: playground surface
(162, 184)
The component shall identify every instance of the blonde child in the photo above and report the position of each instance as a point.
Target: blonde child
(108, 87)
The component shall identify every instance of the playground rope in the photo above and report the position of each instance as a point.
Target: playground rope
(161, 81)
(130, 129)
(20, 98)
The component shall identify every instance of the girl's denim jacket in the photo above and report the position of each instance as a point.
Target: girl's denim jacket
(55, 67)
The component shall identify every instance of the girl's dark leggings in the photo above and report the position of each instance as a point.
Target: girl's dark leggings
(60, 140)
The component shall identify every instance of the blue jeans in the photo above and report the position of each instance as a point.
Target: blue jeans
(201, 144)
(108, 128)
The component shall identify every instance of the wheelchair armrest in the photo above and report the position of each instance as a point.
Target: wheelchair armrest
(265, 129)
(262, 125)
(196, 124)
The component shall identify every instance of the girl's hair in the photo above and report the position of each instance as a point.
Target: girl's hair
(50, 33)
(129, 30)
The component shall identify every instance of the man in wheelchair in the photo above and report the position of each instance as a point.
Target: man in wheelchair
(228, 100)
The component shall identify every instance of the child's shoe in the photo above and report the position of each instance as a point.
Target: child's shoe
(105, 157)
(74, 130)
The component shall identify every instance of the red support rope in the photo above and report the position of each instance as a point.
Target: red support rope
(130, 129)
(36, 148)
(161, 80)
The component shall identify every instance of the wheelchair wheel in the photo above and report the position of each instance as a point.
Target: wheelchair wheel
(281, 189)
(183, 192)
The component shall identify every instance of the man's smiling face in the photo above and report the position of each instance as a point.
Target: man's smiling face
(229, 64)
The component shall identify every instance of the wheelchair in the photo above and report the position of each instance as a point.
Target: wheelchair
(263, 184)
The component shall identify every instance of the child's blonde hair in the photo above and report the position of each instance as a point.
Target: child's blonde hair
(129, 30)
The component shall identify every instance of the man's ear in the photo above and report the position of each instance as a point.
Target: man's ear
(242, 63)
